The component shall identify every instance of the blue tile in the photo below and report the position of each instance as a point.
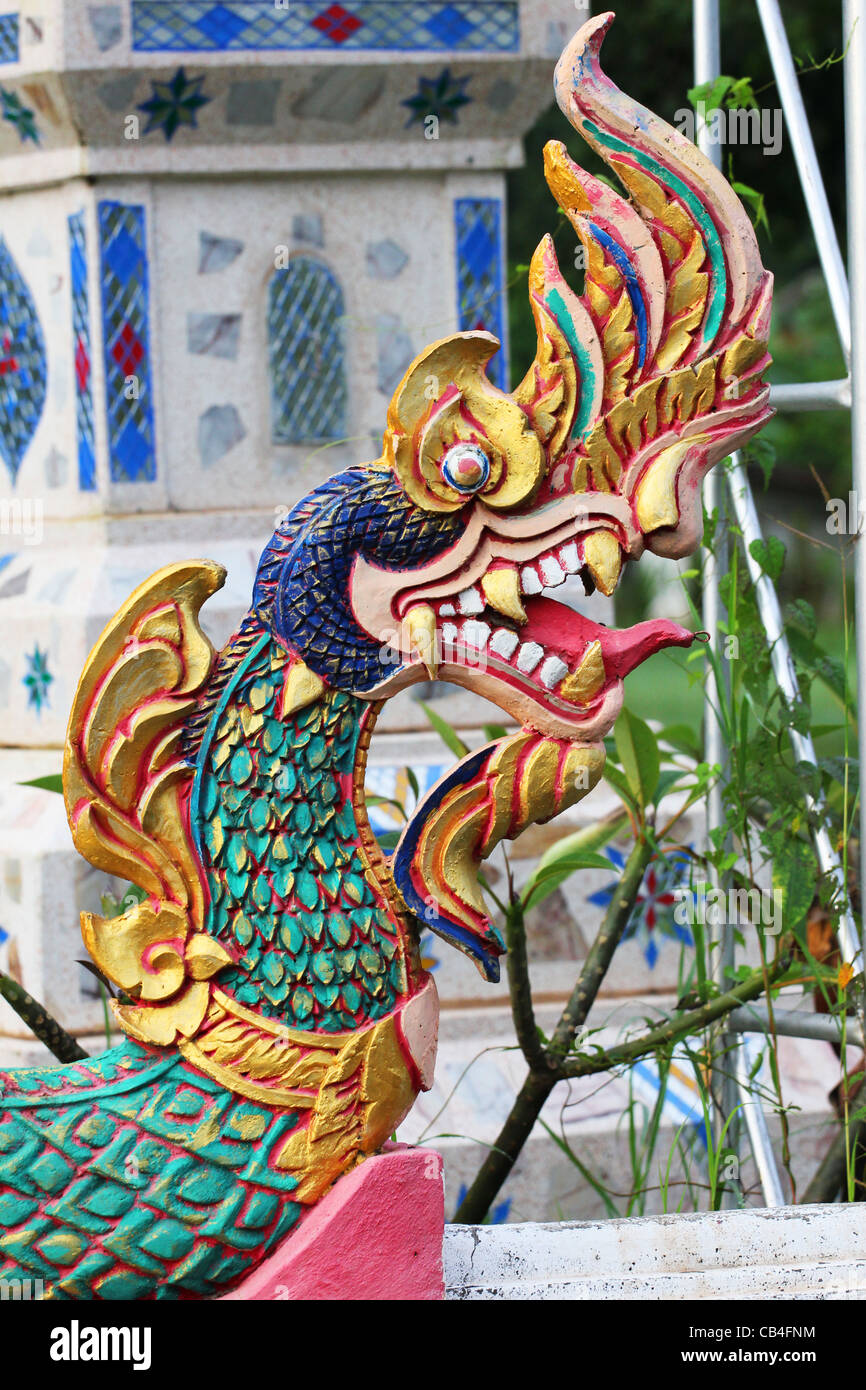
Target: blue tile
(81, 355)
(122, 255)
(192, 26)
(23, 366)
(8, 38)
(126, 336)
(449, 26)
(133, 447)
(307, 360)
(219, 25)
(481, 275)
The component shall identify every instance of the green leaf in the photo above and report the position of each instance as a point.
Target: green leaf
(802, 615)
(413, 783)
(683, 738)
(795, 875)
(448, 735)
(762, 453)
(615, 779)
(388, 840)
(52, 783)
(831, 672)
(755, 201)
(835, 769)
(770, 555)
(373, 800)
(667, 780)
(592, 837)
(710, 94)
(639, 753)
(494, 731)
(570, 853)
(546, 881)
(741, 94)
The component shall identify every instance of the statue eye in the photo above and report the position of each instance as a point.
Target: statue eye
(465, 467)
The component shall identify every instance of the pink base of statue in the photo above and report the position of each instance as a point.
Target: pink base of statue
(377, 1235)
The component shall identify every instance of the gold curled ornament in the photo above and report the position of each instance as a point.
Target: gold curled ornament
(352, 1088)
(124, 781)
(445, 399)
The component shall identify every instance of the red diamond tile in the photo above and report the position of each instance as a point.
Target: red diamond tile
(9, 363)
(337, 23)
(127, 351)
(82, 365)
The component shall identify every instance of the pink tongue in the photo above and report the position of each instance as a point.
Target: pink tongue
(559, 629)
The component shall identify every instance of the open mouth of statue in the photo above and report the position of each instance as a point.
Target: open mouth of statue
(529, 653)
(565, 660)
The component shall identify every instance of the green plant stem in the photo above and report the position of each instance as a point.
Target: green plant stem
(545, 1065)
(520, 988)
(601, 953)
(539, 1084)
(830, 1182)
(675, 1029)
(39, 1021)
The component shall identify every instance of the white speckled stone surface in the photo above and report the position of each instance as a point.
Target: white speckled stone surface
(794, 1253)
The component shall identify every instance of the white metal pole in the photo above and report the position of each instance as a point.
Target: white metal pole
(756, 1124)
(745, 512)
(811, 395)
(707, 66)
(800, 135)
(854, 36)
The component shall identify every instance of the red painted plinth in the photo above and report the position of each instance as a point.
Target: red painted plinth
(377, 1235)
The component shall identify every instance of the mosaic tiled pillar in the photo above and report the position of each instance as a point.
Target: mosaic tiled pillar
(226, 230)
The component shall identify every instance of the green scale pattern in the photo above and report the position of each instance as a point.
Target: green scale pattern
(134, 1176)
(276, 831)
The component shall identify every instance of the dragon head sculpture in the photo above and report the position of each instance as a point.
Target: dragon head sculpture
(436, 560)
(279, 1022)
(230, 787)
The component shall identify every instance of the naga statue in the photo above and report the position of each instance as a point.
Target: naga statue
(277, 1020)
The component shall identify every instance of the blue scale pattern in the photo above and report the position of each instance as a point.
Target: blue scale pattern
(301, 587)
(133, 1176)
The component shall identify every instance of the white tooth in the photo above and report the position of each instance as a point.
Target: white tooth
(528, 657)
(476, 635)
(551, 570)
(470, 601)
(503, 642)
(552, 672)
(529, 580)
(449, 633)
(447, 610)
(568, 558)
